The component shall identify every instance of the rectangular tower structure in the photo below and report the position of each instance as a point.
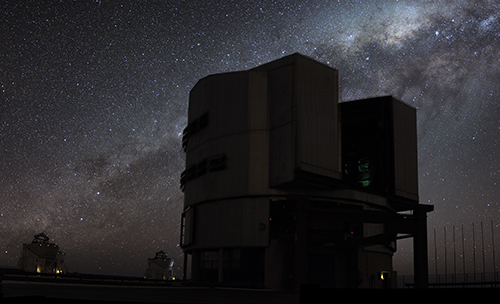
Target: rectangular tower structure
(285, 186)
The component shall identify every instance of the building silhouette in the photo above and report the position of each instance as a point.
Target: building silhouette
(284, 186)
(41, 256)
(160, 267)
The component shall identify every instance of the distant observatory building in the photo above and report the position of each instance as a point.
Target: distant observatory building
(42, 257)
(285, 186)
(160, 267)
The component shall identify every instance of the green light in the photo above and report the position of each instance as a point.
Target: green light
(365, 176)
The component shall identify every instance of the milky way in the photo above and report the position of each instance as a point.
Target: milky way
(94, 99)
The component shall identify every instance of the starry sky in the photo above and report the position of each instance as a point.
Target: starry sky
(94, 97)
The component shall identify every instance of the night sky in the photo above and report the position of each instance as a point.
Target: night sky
(94, 98)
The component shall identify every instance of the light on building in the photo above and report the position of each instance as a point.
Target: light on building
(385, 275)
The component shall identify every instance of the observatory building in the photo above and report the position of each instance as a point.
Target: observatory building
(160, 267)
(286, 186)
(42, 257)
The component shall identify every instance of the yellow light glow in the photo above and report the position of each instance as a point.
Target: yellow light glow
(385, 275)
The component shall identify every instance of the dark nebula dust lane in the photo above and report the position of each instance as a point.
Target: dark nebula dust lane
(94, 97)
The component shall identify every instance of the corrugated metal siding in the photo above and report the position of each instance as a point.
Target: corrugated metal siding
(316, 97)
(281, 129)
(405, 150)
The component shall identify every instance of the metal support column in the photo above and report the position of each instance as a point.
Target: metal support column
(420, 259)
(300, 255)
